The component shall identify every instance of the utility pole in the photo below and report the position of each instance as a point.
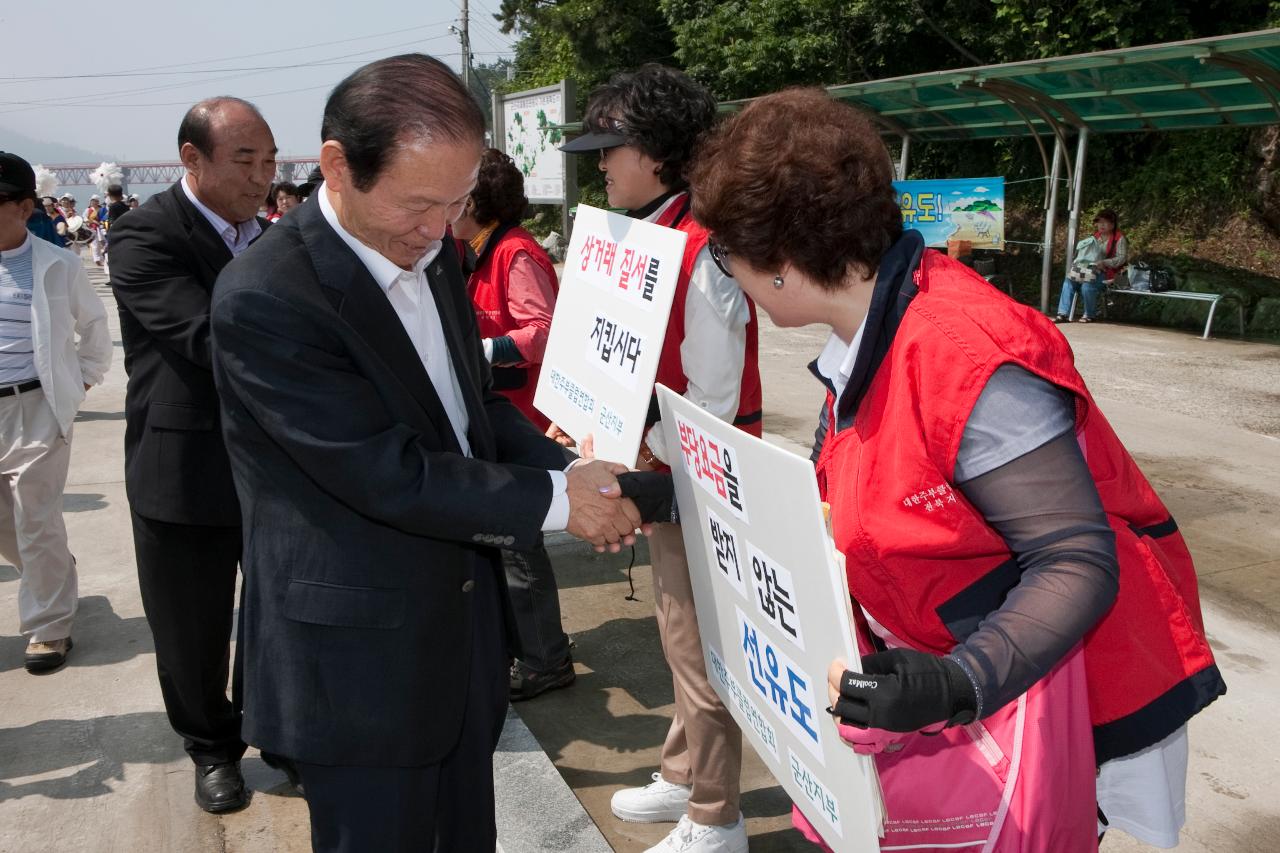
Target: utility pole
(465, 35)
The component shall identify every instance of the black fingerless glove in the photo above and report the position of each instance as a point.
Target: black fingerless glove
(903, 690)
(653, 493)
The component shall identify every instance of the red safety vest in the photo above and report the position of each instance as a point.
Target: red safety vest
(670, 366)
(488, 290)
(925, 564)
(1110, 272)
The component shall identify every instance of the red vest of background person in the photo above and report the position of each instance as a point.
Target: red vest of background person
(924, 563)
(1109, 273)
(488, 290)
(670, 366)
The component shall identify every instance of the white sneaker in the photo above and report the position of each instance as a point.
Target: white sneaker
(690, 837)
(656, 802)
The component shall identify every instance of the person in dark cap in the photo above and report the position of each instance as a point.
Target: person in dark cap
(54, 345)
(644, 126)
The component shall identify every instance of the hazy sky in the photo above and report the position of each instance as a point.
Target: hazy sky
(158, 43)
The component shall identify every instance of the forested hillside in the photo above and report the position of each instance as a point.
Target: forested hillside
(1205, 202)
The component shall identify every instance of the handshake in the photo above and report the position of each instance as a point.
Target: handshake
(608, 502)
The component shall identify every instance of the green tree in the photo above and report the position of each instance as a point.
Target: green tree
(583, 40)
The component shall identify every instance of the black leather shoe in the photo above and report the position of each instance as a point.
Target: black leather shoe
(527, 683)
(279, 762)
(220, 788)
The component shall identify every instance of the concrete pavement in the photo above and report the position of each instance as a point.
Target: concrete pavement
(87, 759)
(88, 763)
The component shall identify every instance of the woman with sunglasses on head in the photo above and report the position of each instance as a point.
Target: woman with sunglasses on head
(644, 125)
(1021, 594)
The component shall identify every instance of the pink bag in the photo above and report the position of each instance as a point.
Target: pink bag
(1020, 781)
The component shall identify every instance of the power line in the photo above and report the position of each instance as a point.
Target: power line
(85, 99)
(187, 103)
(488, 22)
(156, 68)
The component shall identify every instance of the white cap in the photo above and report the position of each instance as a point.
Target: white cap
(95, 198)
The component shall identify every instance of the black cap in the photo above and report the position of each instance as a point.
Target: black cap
(610, 134)
(16, 175)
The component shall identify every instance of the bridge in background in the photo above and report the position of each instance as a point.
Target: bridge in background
(294, 169)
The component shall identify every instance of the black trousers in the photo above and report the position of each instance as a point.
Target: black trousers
(535, 601)
(187, 574)
(441, 808)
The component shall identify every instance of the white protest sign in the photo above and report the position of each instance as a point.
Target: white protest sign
(607, 331)
(773, 611)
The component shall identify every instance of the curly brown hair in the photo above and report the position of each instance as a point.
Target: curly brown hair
(663, 112)
(798, 178)
(499, 193)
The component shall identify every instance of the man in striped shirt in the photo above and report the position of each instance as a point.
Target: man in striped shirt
(46, 302)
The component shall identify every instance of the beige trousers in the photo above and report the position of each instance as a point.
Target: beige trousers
(34, 458)
(704, 745)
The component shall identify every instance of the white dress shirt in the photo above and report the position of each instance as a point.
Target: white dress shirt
(237, 236)
(714, 348)
(409, 293)
(837, 358)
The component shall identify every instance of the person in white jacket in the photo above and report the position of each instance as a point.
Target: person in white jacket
(46, 304)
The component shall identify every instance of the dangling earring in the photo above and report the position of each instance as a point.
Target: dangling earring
(777, 281)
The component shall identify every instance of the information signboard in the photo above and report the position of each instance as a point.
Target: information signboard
(530, 135)
(955, 209)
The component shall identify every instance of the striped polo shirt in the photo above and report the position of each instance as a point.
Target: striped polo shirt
(17, 279)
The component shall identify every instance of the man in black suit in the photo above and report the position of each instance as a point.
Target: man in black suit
(165, 257)
(379, 474)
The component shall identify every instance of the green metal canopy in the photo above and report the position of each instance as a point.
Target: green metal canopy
(1226, 81)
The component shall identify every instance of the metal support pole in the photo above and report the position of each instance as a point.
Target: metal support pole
(569, 95)
(1050, 217)
(496, 128)
(903, 158)
(124, 180)
(1077, 196)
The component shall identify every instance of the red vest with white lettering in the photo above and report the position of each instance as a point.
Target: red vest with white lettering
(924, 563)
(488, 290)
(670, 367)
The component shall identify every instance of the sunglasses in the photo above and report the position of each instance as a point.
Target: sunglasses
(720, 255)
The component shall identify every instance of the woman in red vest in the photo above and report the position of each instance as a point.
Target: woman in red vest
(513, 284)
(1114, 249)
(513, 288)
(1022, 595)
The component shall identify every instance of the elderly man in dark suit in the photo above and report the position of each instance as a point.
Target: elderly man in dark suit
(165, 257)
(379, 473)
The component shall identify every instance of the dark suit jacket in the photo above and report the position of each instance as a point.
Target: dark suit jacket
(165, 257)
(364, 523)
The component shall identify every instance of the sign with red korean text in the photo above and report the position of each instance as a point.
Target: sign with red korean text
(773, 611)
(606, 335)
